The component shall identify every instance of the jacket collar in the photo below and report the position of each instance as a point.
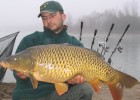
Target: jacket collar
(49, 32)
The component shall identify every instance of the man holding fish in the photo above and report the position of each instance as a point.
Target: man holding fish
(48, 69)
(55, 32)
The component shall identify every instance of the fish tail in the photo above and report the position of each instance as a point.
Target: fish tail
(116, 88)
(116, 91)
(127, 80)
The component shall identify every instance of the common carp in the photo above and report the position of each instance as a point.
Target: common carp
(58, 63)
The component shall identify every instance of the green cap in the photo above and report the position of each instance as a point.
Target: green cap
(50, 6)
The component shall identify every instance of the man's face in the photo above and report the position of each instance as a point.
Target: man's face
(53, 21)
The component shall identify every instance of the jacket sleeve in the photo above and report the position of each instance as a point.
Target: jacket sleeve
(28, 41)
(76, 42)
(23, 45)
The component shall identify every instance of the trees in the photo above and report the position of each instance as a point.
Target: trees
(103, 21)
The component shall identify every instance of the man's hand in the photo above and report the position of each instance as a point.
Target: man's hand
(77, 80)
(21, 75)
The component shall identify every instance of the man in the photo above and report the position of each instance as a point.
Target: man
(55, 32)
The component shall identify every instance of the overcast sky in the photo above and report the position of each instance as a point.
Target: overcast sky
(22, 14)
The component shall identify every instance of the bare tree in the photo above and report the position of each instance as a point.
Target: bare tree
(131, 8)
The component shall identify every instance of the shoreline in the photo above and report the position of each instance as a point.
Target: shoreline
(6, 90)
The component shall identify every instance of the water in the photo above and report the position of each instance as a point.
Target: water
(128, 61)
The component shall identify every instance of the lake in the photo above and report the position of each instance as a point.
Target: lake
(128, 61)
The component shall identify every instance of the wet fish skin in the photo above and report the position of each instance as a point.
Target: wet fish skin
(58, 63)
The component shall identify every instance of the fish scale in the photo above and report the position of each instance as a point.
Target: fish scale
(58, 63)
(58, 53)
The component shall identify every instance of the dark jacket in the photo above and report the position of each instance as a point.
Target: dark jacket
(24, 88)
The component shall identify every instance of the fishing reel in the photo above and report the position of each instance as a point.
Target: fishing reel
(107, 48)
(101, 42)
(120, 48)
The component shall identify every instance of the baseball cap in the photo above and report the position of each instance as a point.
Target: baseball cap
(50, 6)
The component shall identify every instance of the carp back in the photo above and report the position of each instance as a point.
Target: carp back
(59, 63)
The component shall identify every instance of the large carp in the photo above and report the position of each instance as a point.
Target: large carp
(58, 63)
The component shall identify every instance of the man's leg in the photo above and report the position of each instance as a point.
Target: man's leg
(76, 92)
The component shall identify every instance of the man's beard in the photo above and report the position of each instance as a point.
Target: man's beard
(58, 28)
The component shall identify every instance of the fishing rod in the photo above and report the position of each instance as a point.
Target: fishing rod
(109, 32)
(107, 39)
(119, 48)
(95, 33)
(81, 30)
(104, 49)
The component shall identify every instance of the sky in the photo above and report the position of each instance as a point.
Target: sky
(21, 15)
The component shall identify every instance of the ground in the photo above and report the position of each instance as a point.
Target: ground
(6, 90)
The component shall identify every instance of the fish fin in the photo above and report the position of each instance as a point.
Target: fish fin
(33, 81)
(61, 88)
(116, 91)
(116, 87)
(96, 85)
(126, 80)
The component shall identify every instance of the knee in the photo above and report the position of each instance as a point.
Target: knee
(87, 90)
(81, 92)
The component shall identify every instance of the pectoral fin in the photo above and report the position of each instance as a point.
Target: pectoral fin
(96, 85)
(33, 80)
(61, 88)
